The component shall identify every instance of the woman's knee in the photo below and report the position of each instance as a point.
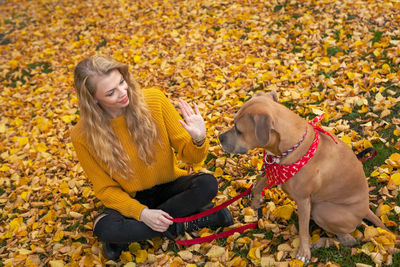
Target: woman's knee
(208, 184)
(116, 228)
(107, 227)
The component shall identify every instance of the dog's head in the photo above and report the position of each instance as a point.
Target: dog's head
(253, 124)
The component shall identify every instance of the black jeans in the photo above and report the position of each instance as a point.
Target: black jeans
(179, 198)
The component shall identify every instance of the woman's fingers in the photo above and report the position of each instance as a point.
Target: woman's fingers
(186, 110)
(163, 222)
(185, 105)
(192, 121)
(166, 219)
(157, 220)
(182, 108)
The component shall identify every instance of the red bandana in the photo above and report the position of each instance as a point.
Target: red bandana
(278, 174)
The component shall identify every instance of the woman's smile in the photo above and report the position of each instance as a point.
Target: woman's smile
(125, 100)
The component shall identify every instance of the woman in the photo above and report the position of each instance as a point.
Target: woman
(126, 141)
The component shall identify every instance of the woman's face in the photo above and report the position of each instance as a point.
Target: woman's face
(111, 93)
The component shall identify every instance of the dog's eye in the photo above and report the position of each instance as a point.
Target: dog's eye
(237, 131)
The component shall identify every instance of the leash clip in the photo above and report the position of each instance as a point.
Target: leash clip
(271, 160)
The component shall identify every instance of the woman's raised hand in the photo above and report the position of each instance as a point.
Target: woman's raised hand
(193, 121)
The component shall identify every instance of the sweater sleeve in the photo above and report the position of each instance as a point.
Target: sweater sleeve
(180, 139)
(108, 191)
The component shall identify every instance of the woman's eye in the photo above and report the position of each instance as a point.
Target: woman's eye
(110, 94)
(122, 81)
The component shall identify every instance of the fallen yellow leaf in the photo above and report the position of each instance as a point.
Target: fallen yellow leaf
(141, 255)
(284, 212)
(215, 251)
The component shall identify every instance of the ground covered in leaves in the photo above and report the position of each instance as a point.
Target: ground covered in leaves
(336, 57)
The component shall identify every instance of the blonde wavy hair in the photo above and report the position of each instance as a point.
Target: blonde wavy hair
(98, 130)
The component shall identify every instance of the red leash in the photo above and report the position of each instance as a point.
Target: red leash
(210, 211)
(217, 236)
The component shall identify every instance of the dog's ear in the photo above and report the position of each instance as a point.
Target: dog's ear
(273, 95)
(260, 93)
(263, 126)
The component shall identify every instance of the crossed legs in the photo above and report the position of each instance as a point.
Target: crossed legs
(179, 198)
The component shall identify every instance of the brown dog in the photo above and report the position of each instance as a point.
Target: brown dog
(331, 188)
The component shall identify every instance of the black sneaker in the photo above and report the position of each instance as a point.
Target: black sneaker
(221, 218)
(206, 207)
(171, 233)
(112, 251)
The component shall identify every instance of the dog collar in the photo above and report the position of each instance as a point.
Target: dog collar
(276, 158)
(277, 173)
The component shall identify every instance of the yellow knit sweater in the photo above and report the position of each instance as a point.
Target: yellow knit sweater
(118, 193)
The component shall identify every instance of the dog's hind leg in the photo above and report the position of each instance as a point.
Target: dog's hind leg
(336, 218)
(322, 242)
(346, 239)
(343, 239)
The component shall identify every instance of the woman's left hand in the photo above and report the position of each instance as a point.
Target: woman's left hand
(194, 122)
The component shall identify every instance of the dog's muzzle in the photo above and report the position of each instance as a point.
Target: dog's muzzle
(225, 146)
(229, 146)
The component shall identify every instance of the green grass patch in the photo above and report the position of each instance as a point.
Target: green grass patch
(278, 8)
(396, 259)
(240, 251)
(73, 226)
(342, 256)
(327, 75)
(209, 157)
(25, 74)
(174, 247)
(332, 51)
(377, 36)
(101, 44)
(221, 188)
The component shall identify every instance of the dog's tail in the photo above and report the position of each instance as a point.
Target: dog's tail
(375, 220)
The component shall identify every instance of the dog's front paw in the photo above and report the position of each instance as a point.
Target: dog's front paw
(256, 203)
(304, 254)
